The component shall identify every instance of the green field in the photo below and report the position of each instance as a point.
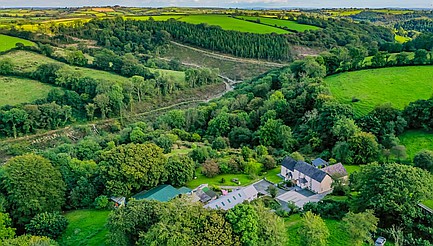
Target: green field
(396, 85)
(224, 21)
(26, 61)
(8, 42)
(338, 237)
(401, 39)
(86, 228)
(291, 25)
(415, 141)
(14, 91)
(428, 203)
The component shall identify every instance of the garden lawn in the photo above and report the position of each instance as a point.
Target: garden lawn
(396, 85)
(216, 181)
(86, 228)
(291, 25)
(338, 237)
(415, 141)
(14, 91)
(272, 175)
(352, 168)
(428, 203)
(8, 42)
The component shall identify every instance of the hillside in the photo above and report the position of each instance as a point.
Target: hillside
(8, 42)
(15, 90)
(27, 61)
(378, 86)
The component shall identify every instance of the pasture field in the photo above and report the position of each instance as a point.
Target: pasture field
(415, 141)
(86, 228)
(14, 91)
(9, 42)
(428, 203)
(372, 87)
(26, 61)
(224, 21)
(291, 25)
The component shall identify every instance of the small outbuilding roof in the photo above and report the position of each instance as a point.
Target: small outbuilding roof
(336, 170)
(162, 193)
(233, 198)
(319, 162)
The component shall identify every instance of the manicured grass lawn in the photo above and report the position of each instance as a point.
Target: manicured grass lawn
(415, 141)
(292, 25)
(86, 228)
(201, 179)
(8, 42)
(224, 21)
(272, 175)
(170, 74)
(15, 91)
(396, 85)
(338, 237)
(243, 178)
(179, 152)
(428, 203)
(352, 168)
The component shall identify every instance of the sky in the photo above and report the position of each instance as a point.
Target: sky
(225, 3)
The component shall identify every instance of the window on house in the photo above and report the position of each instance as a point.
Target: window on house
(223, 203)
(234, 198)
(229, 200)
(239, 195)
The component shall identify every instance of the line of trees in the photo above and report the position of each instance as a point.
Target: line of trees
(151, 36)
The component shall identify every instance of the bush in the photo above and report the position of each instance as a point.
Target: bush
(51, 225)
(102, 202)
(219, 143)
(269, 162)
(210, 169)
(328, 209)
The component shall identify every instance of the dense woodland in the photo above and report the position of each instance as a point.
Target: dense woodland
(284, 112)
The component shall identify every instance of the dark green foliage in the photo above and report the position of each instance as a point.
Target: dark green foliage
(165, 143)
(328, 208)
(180, 169)
(32, 186)
(244, 220)
(102, 202)
(199, 154)
(50, 225)
(126, 169)
(391, 190)
(424, 160)
(219, 143)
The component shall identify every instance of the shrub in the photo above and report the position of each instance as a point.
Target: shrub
(219, 143)
(51, 225)
(269, 162)
(210, 168)
(102, 202)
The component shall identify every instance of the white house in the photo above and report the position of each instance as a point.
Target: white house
(305, 175)
(233, 198)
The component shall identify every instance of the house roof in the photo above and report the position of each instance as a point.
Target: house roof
(289, 163)
(184, 190)
(336, 170)
(319, 162)
(233, 198)
(162, 193)
(310, 171)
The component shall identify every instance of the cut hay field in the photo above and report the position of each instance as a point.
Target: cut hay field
(8, 42)
(415, 141)
(396, 85)
(291, 25)
(14, 91)
(224, 21)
